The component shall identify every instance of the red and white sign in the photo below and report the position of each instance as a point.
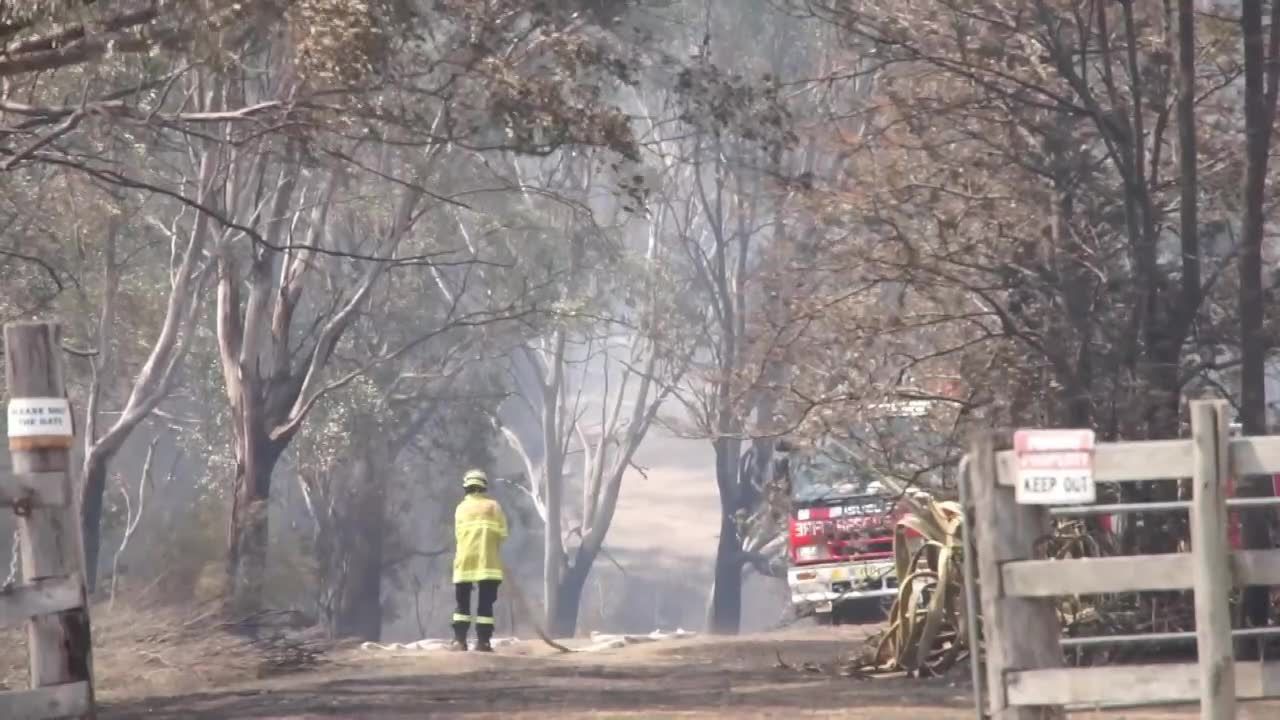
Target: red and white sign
(1055, 467)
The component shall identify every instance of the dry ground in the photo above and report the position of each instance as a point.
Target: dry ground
(177, 673)
(690, 678)
(700, 678)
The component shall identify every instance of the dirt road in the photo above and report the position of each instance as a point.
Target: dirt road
(699, 678)
(675, 678)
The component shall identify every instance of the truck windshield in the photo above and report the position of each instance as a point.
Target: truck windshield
(898, 444)
(825, 473)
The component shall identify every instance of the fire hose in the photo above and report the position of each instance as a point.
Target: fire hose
(527, 611)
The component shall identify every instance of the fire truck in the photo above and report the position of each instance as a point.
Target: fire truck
(840, 531)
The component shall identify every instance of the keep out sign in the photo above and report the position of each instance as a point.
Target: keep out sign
(1055, 467)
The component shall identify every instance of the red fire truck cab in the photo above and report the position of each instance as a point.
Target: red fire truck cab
(843, 513)
(841, 554)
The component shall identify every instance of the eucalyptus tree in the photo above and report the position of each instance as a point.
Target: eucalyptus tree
(591, 381)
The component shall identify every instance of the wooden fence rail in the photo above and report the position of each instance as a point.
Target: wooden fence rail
(1121, 462)
(1025, 677)
(51, 599)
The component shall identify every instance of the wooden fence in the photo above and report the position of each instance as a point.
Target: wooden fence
(38, 490)
(1025, 676)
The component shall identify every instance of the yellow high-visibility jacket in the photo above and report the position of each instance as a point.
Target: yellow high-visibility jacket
(479, 527)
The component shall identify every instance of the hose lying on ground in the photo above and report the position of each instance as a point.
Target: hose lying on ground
(530, 618)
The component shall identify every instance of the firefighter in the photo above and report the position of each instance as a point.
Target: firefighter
(480, 527)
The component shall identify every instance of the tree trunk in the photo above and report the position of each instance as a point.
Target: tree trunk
(359, 602)
(726, 594)
(553, 559)
(1259, 110)
(552, 555)
(256, 458)
(564, 622)
(95, 488)
(97, 456)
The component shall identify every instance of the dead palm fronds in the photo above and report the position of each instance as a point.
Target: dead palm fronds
(926, 633)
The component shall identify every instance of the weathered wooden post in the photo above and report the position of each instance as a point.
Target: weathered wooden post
(1020, 633)
(1212, 560)
(52, 596)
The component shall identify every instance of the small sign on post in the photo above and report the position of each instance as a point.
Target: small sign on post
(1055, 467)
(39, 423)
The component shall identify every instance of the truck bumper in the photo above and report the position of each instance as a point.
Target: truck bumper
(822, 585)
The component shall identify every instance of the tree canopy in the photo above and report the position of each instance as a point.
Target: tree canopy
(324, 254)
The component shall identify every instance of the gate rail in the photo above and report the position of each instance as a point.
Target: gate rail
(1024, 662)
(20, 602)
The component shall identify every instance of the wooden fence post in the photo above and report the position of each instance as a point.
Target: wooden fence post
(1212, 562)
(58, 643)
(1019, 633)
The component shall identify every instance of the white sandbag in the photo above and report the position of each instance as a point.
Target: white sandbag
(429, 645)
(655, 636)
(605, 641)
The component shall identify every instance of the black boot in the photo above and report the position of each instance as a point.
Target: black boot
(484, 633)
(460, 636)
